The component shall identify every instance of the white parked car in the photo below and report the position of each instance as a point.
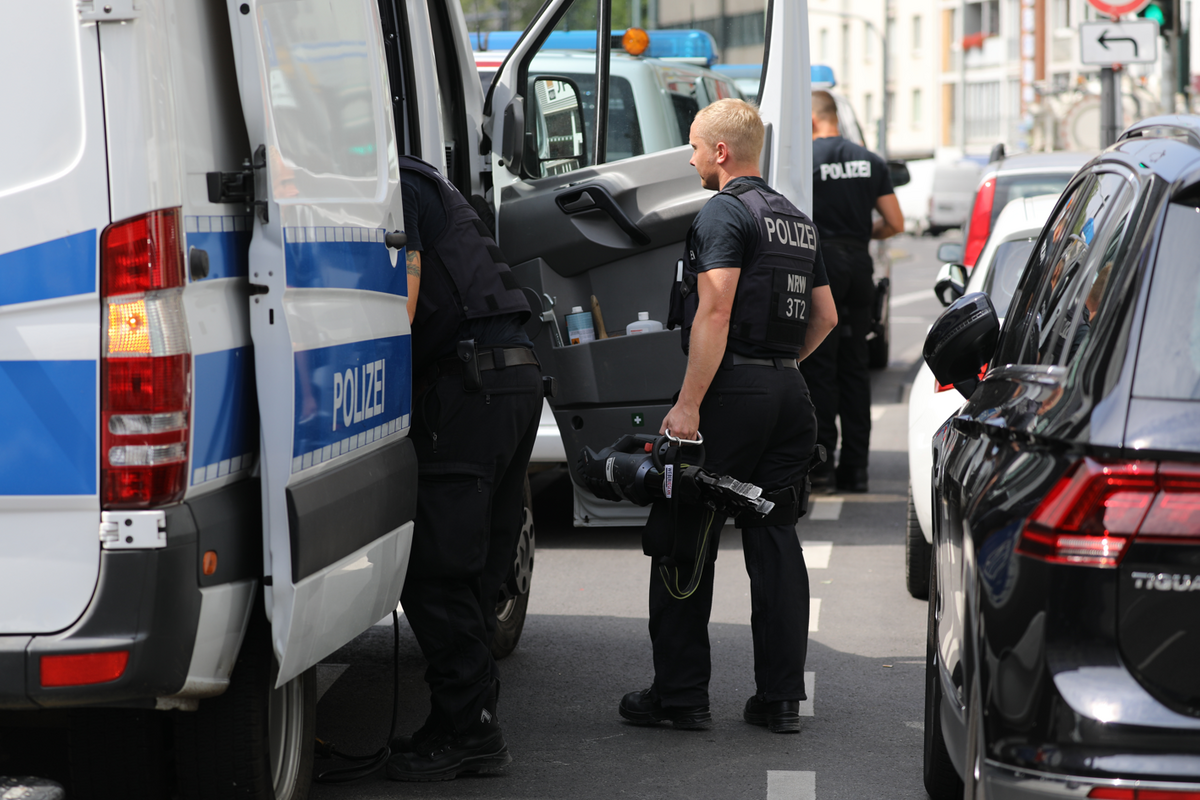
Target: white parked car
(930, 404)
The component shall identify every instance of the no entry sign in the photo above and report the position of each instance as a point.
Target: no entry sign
(1118, 9)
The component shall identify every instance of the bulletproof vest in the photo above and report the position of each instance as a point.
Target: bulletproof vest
(464, 275)
(773, 300)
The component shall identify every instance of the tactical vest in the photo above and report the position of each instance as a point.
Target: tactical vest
(773, 300)
(464, 275)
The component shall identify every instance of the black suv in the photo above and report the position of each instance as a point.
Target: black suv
(1063, 651)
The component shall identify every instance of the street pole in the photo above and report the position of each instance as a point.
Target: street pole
(1108, 107)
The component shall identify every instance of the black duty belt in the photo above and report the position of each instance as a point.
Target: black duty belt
(494, 358)
(735, 360)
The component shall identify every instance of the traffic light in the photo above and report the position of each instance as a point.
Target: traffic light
(1162, 12)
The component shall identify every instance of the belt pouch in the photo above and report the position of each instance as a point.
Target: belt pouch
(471, 377)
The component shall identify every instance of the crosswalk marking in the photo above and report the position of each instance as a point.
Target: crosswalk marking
(791, 785)
(327, 675)
(825, 508)
(816, 554)
(814, 611)
(810, 685)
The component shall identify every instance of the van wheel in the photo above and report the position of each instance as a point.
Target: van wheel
(254, 741)
(916, 553)
(513, 601)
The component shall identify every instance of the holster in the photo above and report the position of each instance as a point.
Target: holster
(471, 376)
(791, 503)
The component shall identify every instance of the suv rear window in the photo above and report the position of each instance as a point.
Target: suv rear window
(1169, 355)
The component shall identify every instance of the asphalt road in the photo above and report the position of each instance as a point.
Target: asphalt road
(585, 644)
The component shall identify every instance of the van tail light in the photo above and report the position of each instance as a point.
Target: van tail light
(145, 393)
(981, 222)
(1097, 508)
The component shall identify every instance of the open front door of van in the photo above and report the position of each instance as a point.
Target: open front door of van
(582, 215)
(328, 298)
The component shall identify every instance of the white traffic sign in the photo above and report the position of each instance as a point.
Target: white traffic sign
(1125, 42)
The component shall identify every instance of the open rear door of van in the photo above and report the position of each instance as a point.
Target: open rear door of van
(610, 221)
(328, 320)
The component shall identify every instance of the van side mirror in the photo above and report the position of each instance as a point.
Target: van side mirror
(560, 137)
(950, 252)
(951, 283)
(898, 170)
(962, 341)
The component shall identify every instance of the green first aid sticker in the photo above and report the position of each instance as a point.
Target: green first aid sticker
(638, 419)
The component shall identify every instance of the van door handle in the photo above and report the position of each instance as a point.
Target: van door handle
(395, 239)
(597, 197)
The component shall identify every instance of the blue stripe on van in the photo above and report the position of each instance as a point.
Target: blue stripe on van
(225, 433)
(48, 440)
(342, 257)
(58, 268)
(226, 239)
(348, 396)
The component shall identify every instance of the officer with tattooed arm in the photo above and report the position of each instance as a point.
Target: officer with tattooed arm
(477, 396)
(752, 300)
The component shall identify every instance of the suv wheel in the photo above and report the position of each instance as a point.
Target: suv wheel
(941, 779)
(513, 600)
(916, 553)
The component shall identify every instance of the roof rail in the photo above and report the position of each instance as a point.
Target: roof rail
(1181, 127)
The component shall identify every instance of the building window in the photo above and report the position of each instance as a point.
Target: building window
(983, 108)
(868, 111)
(918, 113)
(916, 32)
(1061, 14)
(824, 44)
(890, 99)
(868, 43)
(845, 52)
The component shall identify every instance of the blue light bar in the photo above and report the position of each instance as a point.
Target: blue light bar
(822, 77)
(663, 44)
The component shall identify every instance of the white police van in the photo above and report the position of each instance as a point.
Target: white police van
(205, 481)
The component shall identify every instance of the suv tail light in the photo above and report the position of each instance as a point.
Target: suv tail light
(146, 369)
(1097, 508)
(981, 221)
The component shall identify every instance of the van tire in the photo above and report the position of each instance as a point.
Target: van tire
(513, 601)
(225, 748)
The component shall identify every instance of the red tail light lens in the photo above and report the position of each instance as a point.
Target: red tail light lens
(142, 254)
(981, 222)
(1096, 509)
(146, 374)
(1114, 793)
(82, 669)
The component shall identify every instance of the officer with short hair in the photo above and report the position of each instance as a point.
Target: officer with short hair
(848, 182)
(752, 300)
(477, 397)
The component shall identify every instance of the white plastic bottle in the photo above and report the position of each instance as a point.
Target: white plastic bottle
(643, 325)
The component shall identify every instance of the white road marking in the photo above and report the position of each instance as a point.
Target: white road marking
(825, 508)
(912, 297)
(810, 683)
(327, 675)
(877, 412)
(814, 612)
(920, 726)
(816, 554)
(791, 785)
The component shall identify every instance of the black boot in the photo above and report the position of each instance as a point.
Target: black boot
(446, 755)
(645, 708)
(780, 716)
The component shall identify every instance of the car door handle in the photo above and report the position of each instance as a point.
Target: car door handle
(596, 197)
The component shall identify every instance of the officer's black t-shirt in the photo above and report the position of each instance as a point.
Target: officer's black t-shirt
(424, 221)
(725, 234)
(847, 180)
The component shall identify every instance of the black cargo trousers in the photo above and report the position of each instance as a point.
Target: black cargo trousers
(838, 371)
(473, 450)
(758, 426)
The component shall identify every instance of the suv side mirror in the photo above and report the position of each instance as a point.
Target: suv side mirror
(898, 170)
(951, 283)
(560, 136)
(962, 342)
(950, 252)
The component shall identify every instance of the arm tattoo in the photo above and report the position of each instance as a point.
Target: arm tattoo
(412, 262)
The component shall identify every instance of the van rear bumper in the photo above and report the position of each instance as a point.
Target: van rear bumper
(146, 602)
